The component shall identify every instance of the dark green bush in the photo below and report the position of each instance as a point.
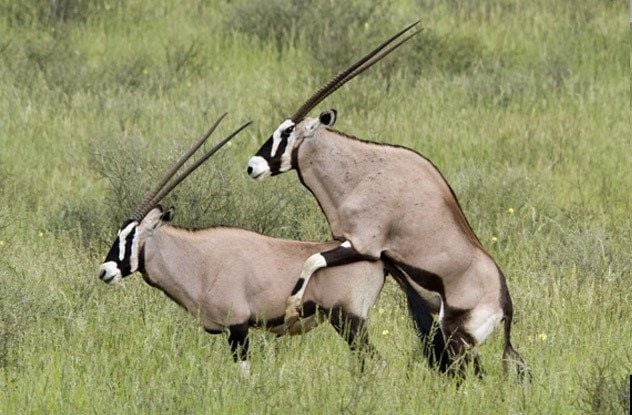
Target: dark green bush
(50, 58)
(431, 53)
(218, 193)
(604, 392)
(498, 86)
(52, 12)
(333, 33)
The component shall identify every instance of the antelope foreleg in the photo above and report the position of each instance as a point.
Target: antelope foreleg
(238, 341)
(344, 254)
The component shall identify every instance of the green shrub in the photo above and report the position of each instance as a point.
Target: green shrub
(218, 193)
(52, 12)
(332, 32)
(604, 391)
(431, 53)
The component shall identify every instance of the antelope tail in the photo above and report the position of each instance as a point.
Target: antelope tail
(511, 355)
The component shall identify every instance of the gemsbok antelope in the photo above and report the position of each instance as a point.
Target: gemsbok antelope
(391, 203)
(232, 279)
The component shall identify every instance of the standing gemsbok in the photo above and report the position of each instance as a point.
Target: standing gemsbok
(391, 203)
(232, 279)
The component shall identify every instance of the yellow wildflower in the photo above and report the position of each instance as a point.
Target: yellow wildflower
(510, 211)
(385, 332)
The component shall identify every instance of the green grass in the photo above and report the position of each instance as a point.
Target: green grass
(522, 105)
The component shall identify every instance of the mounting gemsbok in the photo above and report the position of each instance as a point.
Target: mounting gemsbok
(391, 203)
(232, 279)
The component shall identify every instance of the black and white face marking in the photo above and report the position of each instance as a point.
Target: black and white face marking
(122, 260)
(275, 156)
(125, 256)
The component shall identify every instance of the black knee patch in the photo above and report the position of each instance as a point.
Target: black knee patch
(298, 286)
(238, 340)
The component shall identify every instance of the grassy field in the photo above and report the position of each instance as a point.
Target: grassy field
(524, 106)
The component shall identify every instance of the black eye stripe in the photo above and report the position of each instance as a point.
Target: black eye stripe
(114, 252)
(266, 149)
(125, 265)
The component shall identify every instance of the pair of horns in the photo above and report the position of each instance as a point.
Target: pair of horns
(336, 82)
(354, 70)
(162, 189)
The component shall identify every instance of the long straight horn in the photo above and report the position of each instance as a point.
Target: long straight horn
(197, 164)
(142, 209)
(344, 76)
(368, 64)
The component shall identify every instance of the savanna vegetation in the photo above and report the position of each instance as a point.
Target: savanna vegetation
(524, 106)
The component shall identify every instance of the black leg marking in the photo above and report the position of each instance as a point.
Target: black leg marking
(343, 255)
(459, 341)
(430, 335)
(309, 309)
(353, 329)
(478, 371)
(425, 279)
(298, 286)
(238, 340)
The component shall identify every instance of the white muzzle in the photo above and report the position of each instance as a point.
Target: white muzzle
(258, 168)
(109, 272)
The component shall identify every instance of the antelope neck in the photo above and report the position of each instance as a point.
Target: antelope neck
(164, 269)
(328, 166)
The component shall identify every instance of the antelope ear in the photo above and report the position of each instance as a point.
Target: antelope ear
(152, 219)
(328, 118)
(167, 216)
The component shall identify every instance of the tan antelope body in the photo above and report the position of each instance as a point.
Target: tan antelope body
(390, 203)
(232, 279)
(228, 277)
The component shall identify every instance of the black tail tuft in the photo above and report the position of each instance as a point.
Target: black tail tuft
(429, 333)
(511, 355)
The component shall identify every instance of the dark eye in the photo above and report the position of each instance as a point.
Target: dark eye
(286, 133)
